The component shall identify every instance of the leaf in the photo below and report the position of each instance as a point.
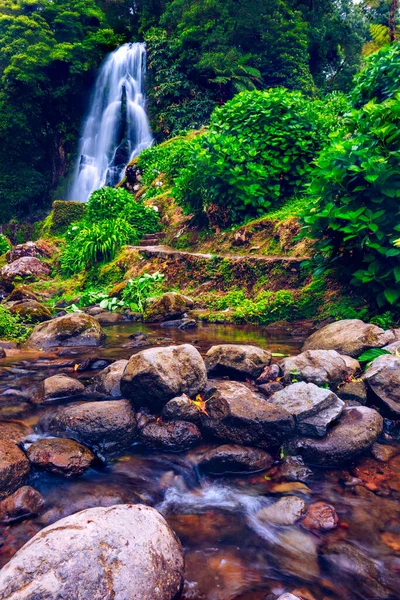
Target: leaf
(372, 354)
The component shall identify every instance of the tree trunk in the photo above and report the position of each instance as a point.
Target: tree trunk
(392, 20)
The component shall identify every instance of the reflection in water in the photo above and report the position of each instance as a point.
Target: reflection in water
(231, 554)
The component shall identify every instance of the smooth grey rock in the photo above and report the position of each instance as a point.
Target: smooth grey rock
(318, 424)
(156, 375)
(109, 425)
(286, 511)
(77, 329)
(124, 552)
(108, 381)
(350, 337)
(304, 400)
(383, 378)
(237, 361)
(320, 367)
(181, 408)
(233, 458)
(58, 387)
(356, 431)
(236, 414)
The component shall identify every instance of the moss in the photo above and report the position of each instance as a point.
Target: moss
(63, 214)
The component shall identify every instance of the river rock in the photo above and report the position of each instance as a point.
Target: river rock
(25, 502)
(181, 408)
(58, 387)
(320, 367)
(286, 511)
(2, 353)
(268, 389)
(320, 517)
(27, 249)
(31, 311)
(60, 456)
(14, 467)
(14, 431)
(355, 569)
(22, 292)
(356, 431)
(108, 381)
(270, 373)
(350, 337)
(289, 596)
(109, 318)
(353, 391)
(383, 378)
(155, 376)
(317, 425)
(304, 400)
(109, 425)
(77, 329)
(232, 458)
(383, 453)
(125, 552)
(181, 324)
(292, 468)
(173, 436)
(171, 305)
(236, 414)
(237, 361)
(25, 268)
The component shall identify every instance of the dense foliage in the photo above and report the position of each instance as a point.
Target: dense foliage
(112, 219)
(356, 214)
(257, 153)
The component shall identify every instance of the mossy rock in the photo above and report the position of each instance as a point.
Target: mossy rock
(22, 292)
(31, 311)
(64, 213)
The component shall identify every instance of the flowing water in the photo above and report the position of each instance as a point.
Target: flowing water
(117, 128)
(230, 553)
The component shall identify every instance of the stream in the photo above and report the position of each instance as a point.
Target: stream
(230, 553)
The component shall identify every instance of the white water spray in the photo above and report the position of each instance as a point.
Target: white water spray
(117, 128)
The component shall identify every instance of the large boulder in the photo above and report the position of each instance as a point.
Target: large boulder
(233, 458)
(155, 376)
(22, 292)
(27, 249)
(383, 378)
(108, 381)
(350, 337)
(356, 431)
(14, 467)
(304, 400)
(173, 436)
(320, 367)
(25, 502)
(31, 311)
(234, 413)
(60, 456)
(77, 329)
(109, 425)
(236, 361)
(124, 552)
(171, 305)
(25, 268)
(58, 387)
(15, 431)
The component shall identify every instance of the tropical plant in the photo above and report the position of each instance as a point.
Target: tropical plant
(140, 289)
(380, 78)
(5, 244)
(12, 327)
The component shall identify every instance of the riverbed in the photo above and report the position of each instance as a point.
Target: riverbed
(230, 553)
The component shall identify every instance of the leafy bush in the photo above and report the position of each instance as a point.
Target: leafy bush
(380, 79)
(356, 212)
(11, 326)
(4, 244)
(95, 243)
(110, 203)
(138, 290)
(257, 153)
(64, 213)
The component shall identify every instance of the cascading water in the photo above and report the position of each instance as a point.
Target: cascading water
(117, 128)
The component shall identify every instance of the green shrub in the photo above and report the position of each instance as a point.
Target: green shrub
(5, 244)
(64, 213)
(356, 213)
(167, 159)
(257, 153)
(380, 79)
(110, 203)
(89, 244)
(11, 326)
(138, 290)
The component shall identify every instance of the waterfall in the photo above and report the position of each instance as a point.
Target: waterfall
(117, 128)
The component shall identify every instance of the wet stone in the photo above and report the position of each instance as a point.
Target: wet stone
(14, 468)
(181, 408)
(320, 517)
(317, 425)
(354, 391)
(383, 453)
(233, 458)
(25, 502)
(286, 511)
(292, 468)
(237, 361)
(267, 389)
(58, 387)
(60, 456)
(304, 400)
(270, 373)
(173, 436)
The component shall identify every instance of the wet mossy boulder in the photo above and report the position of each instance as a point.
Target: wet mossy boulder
(31, 311)
(22, 292)
(78, 329)
(170, 306)
(28, 268)
(35, 249)
(64, 213)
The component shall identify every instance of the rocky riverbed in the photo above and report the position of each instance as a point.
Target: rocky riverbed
(267, 462)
